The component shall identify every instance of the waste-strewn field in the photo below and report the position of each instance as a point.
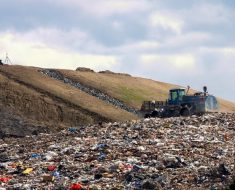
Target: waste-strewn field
(175, 153)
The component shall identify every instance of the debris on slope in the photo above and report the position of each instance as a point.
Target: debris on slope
(173, 153)
(91, 91)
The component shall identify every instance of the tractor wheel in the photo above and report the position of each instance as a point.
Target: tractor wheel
(154, 114)
(185, 112)
(147, 115)
(200, 114)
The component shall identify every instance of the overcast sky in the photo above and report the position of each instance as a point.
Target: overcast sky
(185, 42)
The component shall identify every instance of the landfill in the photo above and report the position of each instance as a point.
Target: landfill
(194, 152)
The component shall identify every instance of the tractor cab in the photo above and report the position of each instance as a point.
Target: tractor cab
(176, 96)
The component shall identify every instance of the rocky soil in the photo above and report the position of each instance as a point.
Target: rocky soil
(174, 153)
(12, 125)
(91, 91)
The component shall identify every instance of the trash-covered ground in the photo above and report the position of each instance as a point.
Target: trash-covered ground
(174, 153)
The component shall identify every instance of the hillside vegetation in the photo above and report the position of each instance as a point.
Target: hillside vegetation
(132, 90)
(43, 100)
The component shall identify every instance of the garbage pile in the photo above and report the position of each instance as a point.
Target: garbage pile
(173, 153)
(91, 91)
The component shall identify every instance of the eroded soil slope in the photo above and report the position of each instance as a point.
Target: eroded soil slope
(43, 100)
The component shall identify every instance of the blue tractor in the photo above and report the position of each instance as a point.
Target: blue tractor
(180, 103)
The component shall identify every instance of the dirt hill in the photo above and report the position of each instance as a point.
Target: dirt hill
(68, 98)
(131, 90)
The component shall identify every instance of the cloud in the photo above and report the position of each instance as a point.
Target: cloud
(224, 62)
(166, 21)
(137, 47)
(69, 40)
(172, 68)
(190, 39)
(211, 14)
(117, 25)
(183, 62)
(218, 70)
(103, 8)
(32, 53)
(54, 36)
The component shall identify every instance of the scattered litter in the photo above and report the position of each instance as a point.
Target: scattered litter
(146, 154)
(27, 171)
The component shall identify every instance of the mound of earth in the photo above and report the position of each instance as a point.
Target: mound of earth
(84, 69)
(111, 72)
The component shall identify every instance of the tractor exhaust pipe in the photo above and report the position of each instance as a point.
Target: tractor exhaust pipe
(188, 87)
(205, 90)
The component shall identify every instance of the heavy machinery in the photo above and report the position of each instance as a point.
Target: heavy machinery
(180, 103)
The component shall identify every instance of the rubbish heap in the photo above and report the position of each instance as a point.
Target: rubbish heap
(172, 153)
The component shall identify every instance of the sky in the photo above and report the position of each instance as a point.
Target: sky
(185, 42)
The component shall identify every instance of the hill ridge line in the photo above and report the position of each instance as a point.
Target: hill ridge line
(89, 90)
(97, 117)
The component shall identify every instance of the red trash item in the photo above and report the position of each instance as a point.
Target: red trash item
(76, 187)
(226, 136)
(51, 168)
(5, 179)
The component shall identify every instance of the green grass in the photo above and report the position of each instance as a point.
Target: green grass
(134, 95)
(131, 95)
